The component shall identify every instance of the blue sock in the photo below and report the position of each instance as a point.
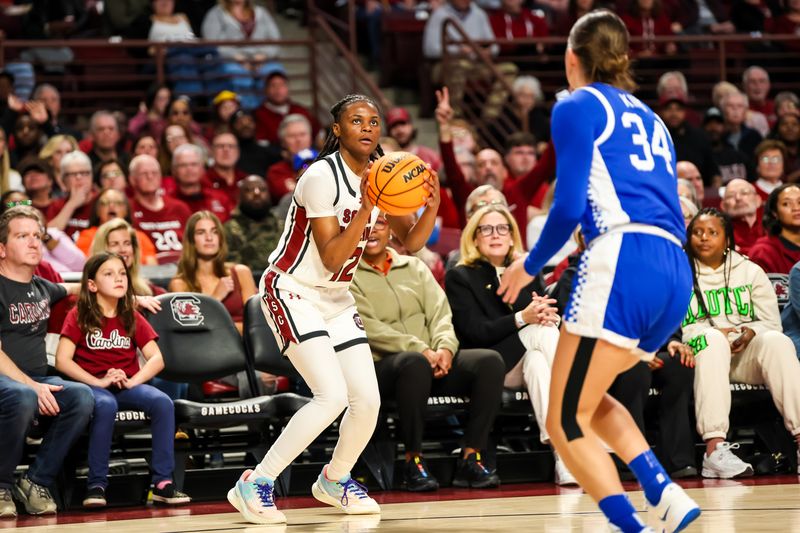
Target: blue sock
(651, 475)
(620, 512)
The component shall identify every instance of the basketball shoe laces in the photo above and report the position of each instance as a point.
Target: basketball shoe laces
(265, 494)
(40, 490)
(479, 464)
(359, 490)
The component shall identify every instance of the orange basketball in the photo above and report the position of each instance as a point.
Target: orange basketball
(395, 183)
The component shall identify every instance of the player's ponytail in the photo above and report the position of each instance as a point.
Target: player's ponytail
(331, 144)
(600, 40)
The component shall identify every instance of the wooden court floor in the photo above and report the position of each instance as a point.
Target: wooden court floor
(728, 506)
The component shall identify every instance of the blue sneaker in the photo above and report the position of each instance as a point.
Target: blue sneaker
(255, 500)
(346, 494)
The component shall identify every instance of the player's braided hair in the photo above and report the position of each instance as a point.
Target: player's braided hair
(730, 245)
(332, 141)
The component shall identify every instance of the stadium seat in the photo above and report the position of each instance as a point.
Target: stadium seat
(199, 341)
(780, 284)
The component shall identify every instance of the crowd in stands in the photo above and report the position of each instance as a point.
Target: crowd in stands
(206, 199)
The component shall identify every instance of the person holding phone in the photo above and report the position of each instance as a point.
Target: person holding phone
(734, 329)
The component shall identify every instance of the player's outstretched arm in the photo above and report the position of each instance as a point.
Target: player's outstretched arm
(575, 124)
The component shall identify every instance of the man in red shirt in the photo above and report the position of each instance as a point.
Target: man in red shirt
(277, 104)
(743, 205)
(71, 213)
(162, 218)
(513, 21)
(224, 175)
(188, 170)
(520, 158)
(756, 85)
(402, 130)
(295, 136)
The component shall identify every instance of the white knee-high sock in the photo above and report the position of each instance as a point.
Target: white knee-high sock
(364, 402)
(320, 367)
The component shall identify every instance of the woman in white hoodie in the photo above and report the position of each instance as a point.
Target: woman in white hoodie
(734, 329)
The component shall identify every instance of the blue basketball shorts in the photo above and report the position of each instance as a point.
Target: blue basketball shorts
(631, 290)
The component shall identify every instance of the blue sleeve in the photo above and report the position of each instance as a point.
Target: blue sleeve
(575, 125)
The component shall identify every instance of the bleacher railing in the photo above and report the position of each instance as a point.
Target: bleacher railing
(703, 59)
(115, 73)
(339, 68)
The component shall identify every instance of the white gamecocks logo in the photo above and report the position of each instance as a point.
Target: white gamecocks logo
(186, 310)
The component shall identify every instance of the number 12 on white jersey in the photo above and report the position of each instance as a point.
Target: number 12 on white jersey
(658, 145)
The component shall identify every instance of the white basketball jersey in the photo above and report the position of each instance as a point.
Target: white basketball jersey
(328, 188)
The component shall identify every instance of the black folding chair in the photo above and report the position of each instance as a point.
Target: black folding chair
(200, 342)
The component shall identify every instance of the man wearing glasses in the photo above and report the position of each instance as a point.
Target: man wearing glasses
(71, 213)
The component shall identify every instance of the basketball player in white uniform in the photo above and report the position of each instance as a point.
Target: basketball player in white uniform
(307, 303)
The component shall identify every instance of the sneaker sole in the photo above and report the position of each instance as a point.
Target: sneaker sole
(690, 517)
(94, 503)
(424, 488)
(8, 514)
(322, 496)
(713, 474)
(235, 500)
(464, 484)
(171, 501)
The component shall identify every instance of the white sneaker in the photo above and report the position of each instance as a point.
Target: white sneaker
(564, 477)
(347, 494)
(676, 510)
(255, 500)
(724, 464)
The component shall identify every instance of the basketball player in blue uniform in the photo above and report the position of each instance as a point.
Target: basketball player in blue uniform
(616, 178)
(308, 305)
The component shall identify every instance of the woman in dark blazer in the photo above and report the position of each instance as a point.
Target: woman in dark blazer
(525, 334)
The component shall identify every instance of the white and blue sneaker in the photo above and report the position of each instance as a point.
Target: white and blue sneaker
(675, 511)
(255, 500)
(347, 494)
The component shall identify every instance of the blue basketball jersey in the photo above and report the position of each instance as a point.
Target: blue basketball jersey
(615, 166)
